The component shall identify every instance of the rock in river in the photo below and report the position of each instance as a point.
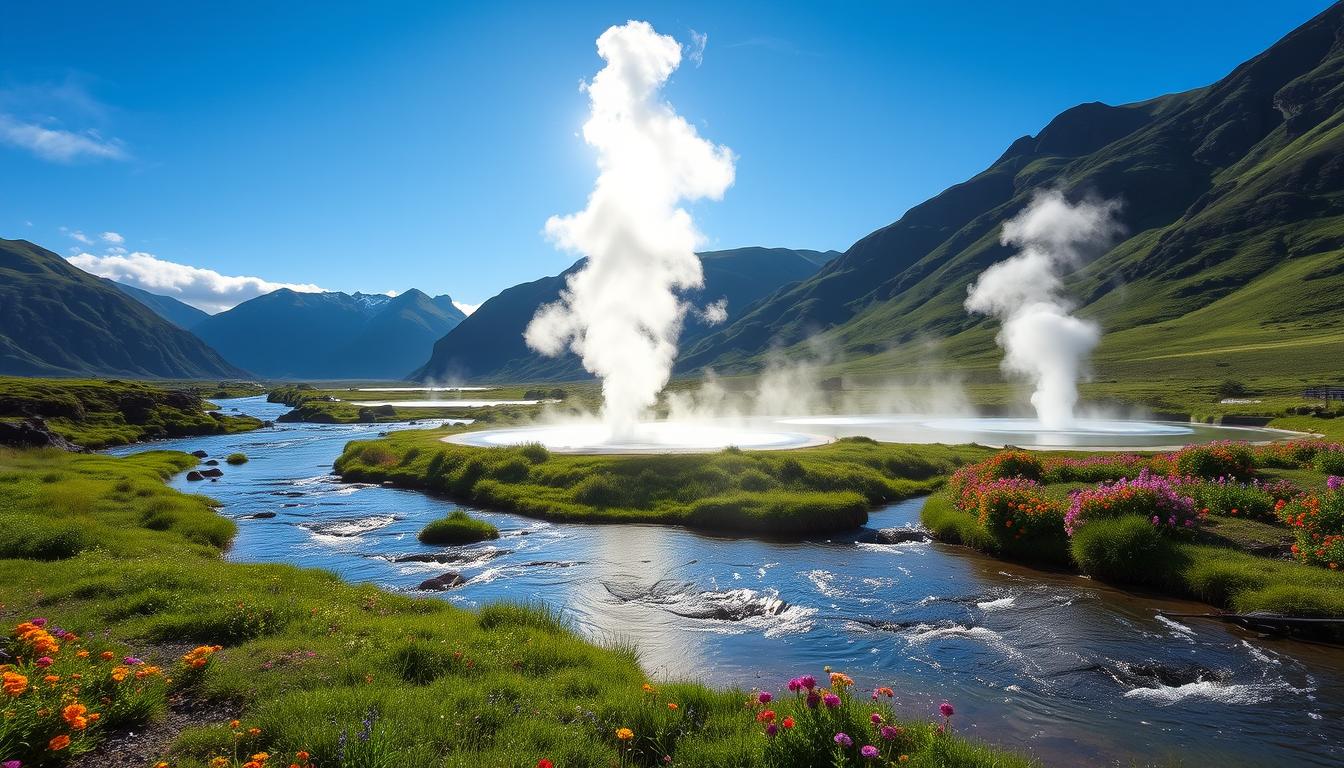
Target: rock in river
(194, 476)
(443, 583)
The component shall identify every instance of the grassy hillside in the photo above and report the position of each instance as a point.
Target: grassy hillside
(1233, 202)
(56, 320)
(101, 413)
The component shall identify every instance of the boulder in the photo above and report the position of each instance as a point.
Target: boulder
(443, 583)
(199, 454)
(901, 535)
(261, 515)
(212, 463)
(212, 472)
(194, 476)
(33, 432)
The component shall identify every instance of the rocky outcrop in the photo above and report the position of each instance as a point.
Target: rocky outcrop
(33, 432)
(443, 583)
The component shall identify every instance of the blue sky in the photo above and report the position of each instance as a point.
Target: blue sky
(384, 146)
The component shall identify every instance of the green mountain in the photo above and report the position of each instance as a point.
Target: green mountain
(1233, 200)
(287, 334)
(489, 344)
(57, 320)
(178, 313)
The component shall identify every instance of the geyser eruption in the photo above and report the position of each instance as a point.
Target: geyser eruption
(621, 312)
(1040, 337)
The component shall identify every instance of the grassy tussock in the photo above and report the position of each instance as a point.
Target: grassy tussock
(457, 528)
(806, 491)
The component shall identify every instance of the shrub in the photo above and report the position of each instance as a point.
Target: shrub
(1096, 468)
(1317, 521)
(1254, 500)
(1126, 549)
(1152, 497)
(236, 458)
(1022, 520)
(1011, 464)
(1215, 460)
(600, 491)
(457, 528)
(1329, 461)
(534, 452)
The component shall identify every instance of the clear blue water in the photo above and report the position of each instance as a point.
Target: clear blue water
(1077, 673)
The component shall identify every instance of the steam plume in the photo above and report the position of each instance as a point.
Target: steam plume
(621, 312)
(1040, 337)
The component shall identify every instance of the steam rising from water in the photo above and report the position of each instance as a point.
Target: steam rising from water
(621, 312)
(1040, 338)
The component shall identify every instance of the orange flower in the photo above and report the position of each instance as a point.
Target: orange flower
(83, 654)
(120, 673)
(58, 743)
(254, 732)
(233, 723)
(301, 756)
(649, 688)
(107, 655)
(14, 683)
(261, 757)
(219, 762)
(624, 734)
(74, 716)
(671, 705)
(52, 679)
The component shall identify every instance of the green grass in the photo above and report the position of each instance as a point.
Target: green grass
(457, 528)
(137, 567)
(99, 413)
(829, 488)
(330, 405)
(236, 458)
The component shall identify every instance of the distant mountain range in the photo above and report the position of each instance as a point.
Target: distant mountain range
(1233, 200)
(489, 345)
(290, 335)
(57, 320)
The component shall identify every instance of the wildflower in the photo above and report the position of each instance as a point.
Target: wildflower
(649, 688)
(544, 763)
(624, 734)
(161, 764)
(903, 759)
(796, 685)
(841, 680)
(58, 743)
(869, 751)
(768, 716)
(771, 730)
(74, 716)
(254, 732)
(11, 764)
(301, 756)
(889, 732)
(1334, 483)
(875, 718)
(219, 762)
(883, 691)
(44, 662)
(830, 700)
(813, 699)
(234, 724)
(787, 722)
(13, 683)
(51, 679)
(39, 622)
(843, 740)
(261, 757)
(120, 673)
(764, 697)
(132, 661)
(82, 654)
(807, 681)
(106, 655)
(946, 709)
(672, 705)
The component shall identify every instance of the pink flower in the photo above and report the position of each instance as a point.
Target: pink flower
(889, 732)
(813, 699)
(796, 685)
(12, 764)
(771, 730)
(946, 709)
(868, 751)
(875, 718)
(843, 740)
(39, 622)
(831, 700)
(45, 661)
(764, 697)
(807, 681)
(1334, 483)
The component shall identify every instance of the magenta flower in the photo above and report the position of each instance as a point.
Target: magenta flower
(813, 699)
(764, 697)
(771, 730)
(875, 718)
(39, 622)
(946, 709)
(132, 661)
(796, 685)
(807, 681)
(843, 740)
(12, 764)
(868, 751)
(1334, 483)
(45, 661)
(831, 700)
(889, 732)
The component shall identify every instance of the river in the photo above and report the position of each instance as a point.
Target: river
(1073, 671)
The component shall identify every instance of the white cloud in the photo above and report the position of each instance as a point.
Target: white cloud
(113, 238)
(714, 313)
(56, 144)
(466, 308)
(204, 289)
(695, 50)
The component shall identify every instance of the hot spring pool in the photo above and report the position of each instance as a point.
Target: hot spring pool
(648, 437)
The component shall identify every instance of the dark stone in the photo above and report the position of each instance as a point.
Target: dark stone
(448, 557)
(194, 476)
(443, 583)
(199, 454)
(268, 423)
(901, 535)
(261, 515)
(212, 472)
(212, 463)
(34, 433)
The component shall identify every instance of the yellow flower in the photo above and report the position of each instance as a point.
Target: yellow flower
(161, 764)
(120, 673)
(219, 762)
(624, 734)
(649, 688)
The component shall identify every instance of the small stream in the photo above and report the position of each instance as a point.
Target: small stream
(1076, 672)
